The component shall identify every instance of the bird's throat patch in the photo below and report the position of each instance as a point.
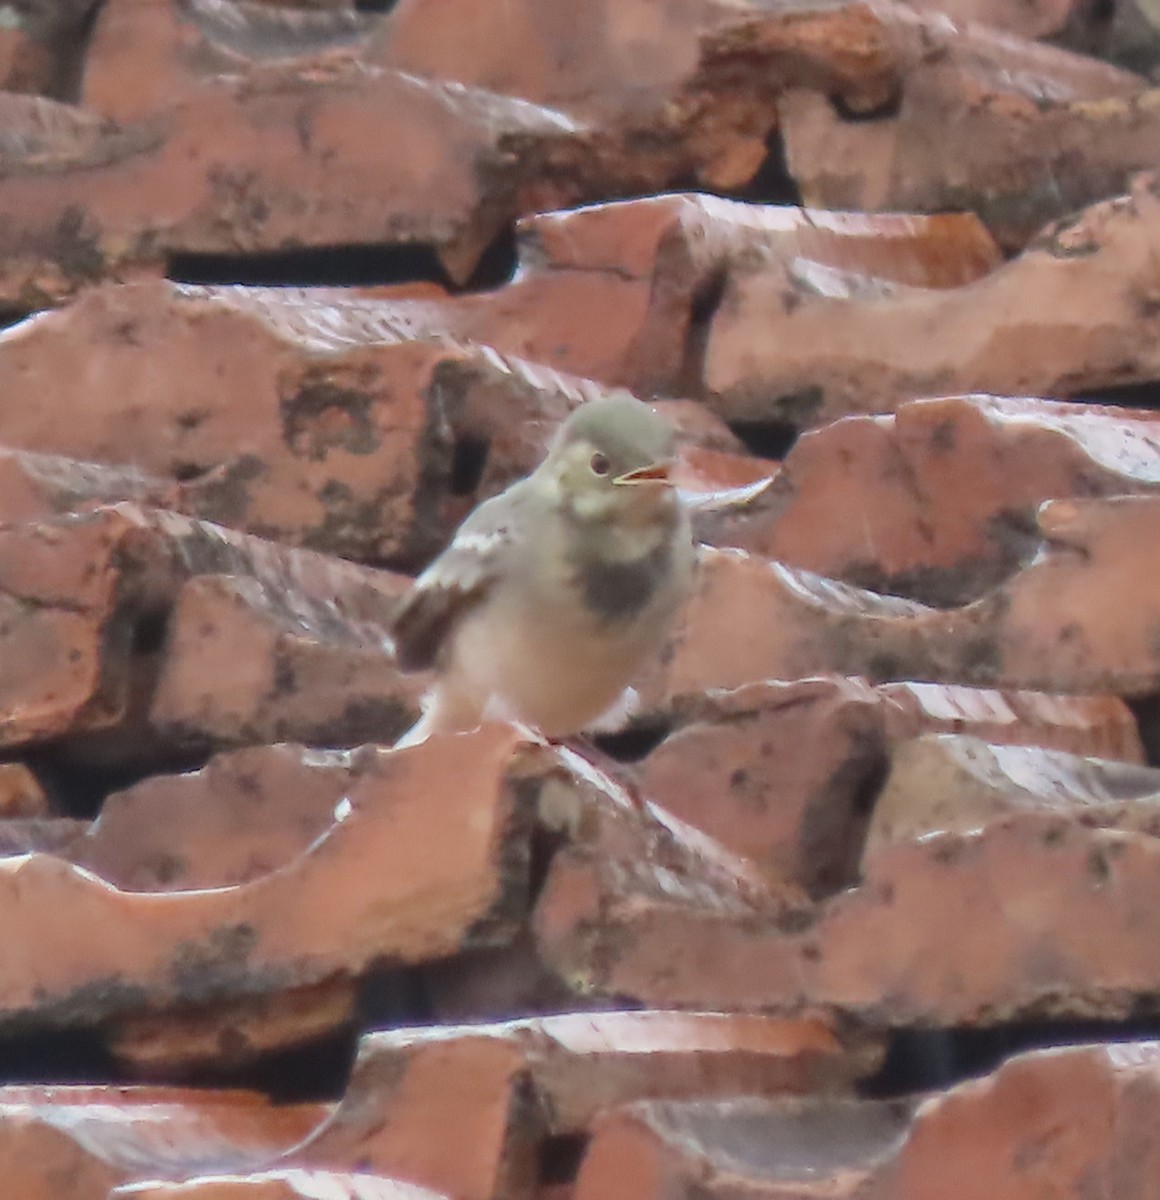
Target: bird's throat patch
(619, 591)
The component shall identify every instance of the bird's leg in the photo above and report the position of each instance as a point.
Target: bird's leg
(581, 754)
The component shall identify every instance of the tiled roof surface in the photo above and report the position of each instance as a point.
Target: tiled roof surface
(865, 902)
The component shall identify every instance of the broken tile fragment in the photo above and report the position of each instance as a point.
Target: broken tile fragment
(784, 778)
(799, 1150)
(287, 1183)
(601, 62)
(372, 887)
(243, 815)
(330, 451)
(659, 263)
(370, 428)
(1003, 161)
(370, 425)
(228, 1036)
(980, 123)
(41, 485)
(201, 970)
(1100, 726)
(787, 775)
(121, 185)
(534, 131)
(585, 60)
(949, 783)
(189, 46)
(1076, 619)
(1053, 858)
(591, 131)
(504, 1088)
(816, 350)
(95, 199)
(655, 261)
(76, 1143)
(1047, 1122)
(98, 625)
(937, 501)
(240, 666)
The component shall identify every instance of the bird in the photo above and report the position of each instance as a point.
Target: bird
(554, 593)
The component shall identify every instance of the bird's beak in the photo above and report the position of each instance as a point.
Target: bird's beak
(656, 473)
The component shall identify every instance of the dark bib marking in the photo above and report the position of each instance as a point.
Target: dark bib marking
(619, 591)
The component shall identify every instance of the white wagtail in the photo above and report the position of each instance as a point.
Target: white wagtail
(553, 594)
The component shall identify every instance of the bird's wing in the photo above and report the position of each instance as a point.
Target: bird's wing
(455, 582)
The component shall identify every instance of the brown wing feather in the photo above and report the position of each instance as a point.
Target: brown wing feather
(454, 583)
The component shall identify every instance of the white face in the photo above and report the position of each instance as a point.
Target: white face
(593, 487)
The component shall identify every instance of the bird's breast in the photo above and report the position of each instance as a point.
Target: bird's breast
(566, 630)
(615, 591)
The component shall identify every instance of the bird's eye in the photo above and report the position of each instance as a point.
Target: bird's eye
(600, 464)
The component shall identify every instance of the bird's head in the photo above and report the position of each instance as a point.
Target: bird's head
(612, 460)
